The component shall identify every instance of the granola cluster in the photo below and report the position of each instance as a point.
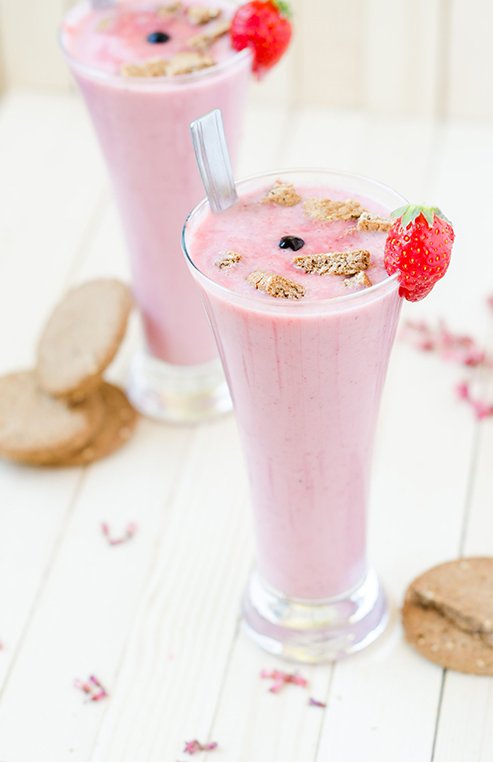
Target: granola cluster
(228, 259)
(181, 63)
(276, 285)
(334, 263)
(328, 210)
(283, 194)
(199, 15)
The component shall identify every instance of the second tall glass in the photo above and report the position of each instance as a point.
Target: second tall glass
(143, 128)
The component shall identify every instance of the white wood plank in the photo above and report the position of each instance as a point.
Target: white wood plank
(466, 715)
(81, 623)
(318, 137)
(28, 43)
(178, 649)
(469, 88)
(396, 79)
(254, 725)
(34, 507)
(56, 180)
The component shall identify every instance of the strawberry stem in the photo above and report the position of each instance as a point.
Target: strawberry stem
(283, 7)
(410, 212)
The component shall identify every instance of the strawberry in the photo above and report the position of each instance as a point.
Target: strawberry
(418, 246)
(264, 27)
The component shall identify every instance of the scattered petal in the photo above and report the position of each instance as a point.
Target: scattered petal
(455, 348)
(280, 679)
(482, 408)
(128, 535)
(92, 688)
(195, 746)
(316, 703)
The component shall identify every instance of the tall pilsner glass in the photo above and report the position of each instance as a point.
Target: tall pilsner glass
(306, 379)
(143, 127)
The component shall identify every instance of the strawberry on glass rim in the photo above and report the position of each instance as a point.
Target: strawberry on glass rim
(418, 247)
(265, 28)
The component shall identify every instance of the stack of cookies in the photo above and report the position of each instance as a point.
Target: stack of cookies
(62, 413)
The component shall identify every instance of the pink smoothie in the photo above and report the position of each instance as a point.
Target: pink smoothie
(143, 126)
(306, 378)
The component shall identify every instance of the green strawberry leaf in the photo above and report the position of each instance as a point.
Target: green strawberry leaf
(410, 212)
(283, 7)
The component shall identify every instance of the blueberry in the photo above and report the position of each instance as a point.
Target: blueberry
(291, 242)
(158, 37)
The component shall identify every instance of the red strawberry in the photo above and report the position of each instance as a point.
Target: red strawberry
(418, 246)
(264, 27)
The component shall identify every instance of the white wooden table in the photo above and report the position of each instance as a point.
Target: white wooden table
(157, 619)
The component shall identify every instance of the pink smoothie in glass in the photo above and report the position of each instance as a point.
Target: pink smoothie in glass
(142, 122)
(306, 377)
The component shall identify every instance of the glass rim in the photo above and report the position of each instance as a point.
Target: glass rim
(278, 305)
(176, 81)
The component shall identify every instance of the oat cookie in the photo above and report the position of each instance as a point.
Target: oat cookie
(228, 259)
(360, 280)
(204, 40)
(199, 15)
(188, 62)
(334, 263)
(283, 194)
(82, 337)
(36, 428)
(328, 210)
(448, 615)
(276, 285)
(442, 642)
(370, 222)
(118, 424)
(154, 67)
(461, 591)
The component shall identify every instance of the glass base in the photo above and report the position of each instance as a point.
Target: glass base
(314, 631)
(178, 394)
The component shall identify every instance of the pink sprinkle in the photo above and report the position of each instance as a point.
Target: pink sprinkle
(280, 679)
(195, 746)
(93, 688)
(316, 703)
(128, 535)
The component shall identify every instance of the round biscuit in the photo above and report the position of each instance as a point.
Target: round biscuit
(440, 641)
(82, 337)
(462, 591)
(36, 428)
(118, 424)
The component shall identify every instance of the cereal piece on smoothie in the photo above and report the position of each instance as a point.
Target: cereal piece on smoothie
(168, 9)
(187, 62)
(199, 15)
(283, 194)
(334, 263)
(328, 210)
(276, 285)
(206, 39)
(370, 222)
(228, 259)
(155, 67)
(359, 280)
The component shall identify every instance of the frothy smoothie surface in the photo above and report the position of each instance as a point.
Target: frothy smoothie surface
(149, 39)
(299, 243)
